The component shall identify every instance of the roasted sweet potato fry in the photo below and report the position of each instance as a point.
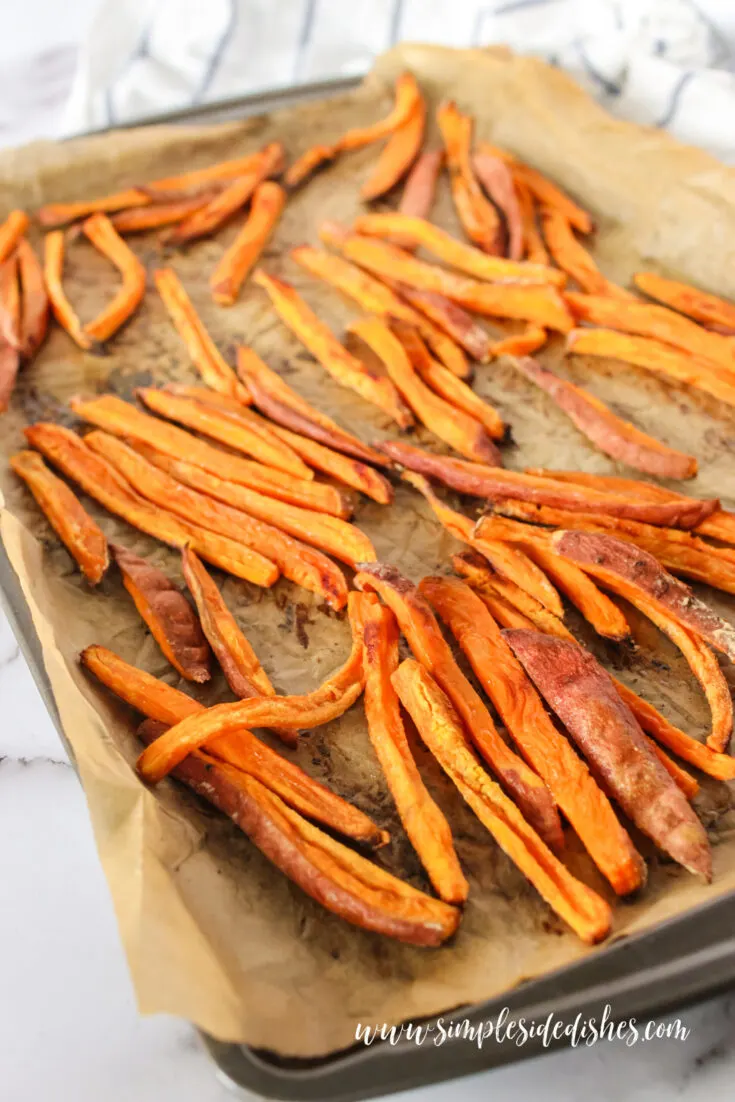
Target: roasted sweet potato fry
(153, 217)
(455, 427)
(34, 300)
(573, 258)
(171, 620)
(317, 156)
(546, 193)
(457, 328)
(123, 419)
(499, 485)
(83, 538)
(497, 180)
(11, 231)
(102, 482)
(10, 338)
(424, 823)
(398, 154)
(653, 355)
(243, 254)
(538, 303)
(474, 262)
(448, 386)
(420, 627)
(206, 357)
(327, 350)
(584, 698)
(647, 320)
(529, 340)
(534, 249)
(586, 807)
(242, 431)
(703, 307)
(167, 706)
(417, 197)
(107, 240)
(487, 582)
(53, 269)
(478, 217)
(300, 564)
(611, 434)
(586, 912)
(283, 713)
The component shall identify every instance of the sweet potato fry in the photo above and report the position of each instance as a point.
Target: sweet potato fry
(280, 403)
(661, 359)
(533, 243)
(327, 350)
(573, 258)
(153, 217)
(549, 195)
(455, 427)
(242, 431)
(206, 357)
(529, 340)
(611, 434)
(53, 269)
(499, 485)
(83, 538)
(243, 254)
(448, 386)
(703, 307)
(538, 303)
(497, 180)
(581, 694)
(424, 823)
(586, 807)
(420, 627)
(487, 582)
(300, 564)
(10, 339)
(474, 262)
(458, 329)
(346, 542)
(398, 154)
(586, 912)
(107, 240)
(283, 713)
(230, 199)
(317, 156)
(101, 481)
(242, 750)
(478, 217)
(635, 574)
(123, 419)
(419, 190)
(34, 301)
(644, 319)
(11, 231)
(168, 615)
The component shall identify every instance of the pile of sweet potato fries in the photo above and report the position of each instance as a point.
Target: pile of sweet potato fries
(242, 473)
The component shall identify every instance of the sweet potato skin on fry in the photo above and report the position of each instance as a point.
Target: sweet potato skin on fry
(496, 179)
(582, 695)
(587, 914)
(243, 254)
(451, 330)
(81, 535)
(417, 197)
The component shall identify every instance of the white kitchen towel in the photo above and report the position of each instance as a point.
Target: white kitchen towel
(662, 62)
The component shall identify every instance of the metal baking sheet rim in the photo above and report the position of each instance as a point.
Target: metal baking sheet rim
(680, 962)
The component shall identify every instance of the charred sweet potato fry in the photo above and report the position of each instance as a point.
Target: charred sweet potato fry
(644, 319)
(243, 254)
(53, 270)
(534, 249)
(478, 217)
(398, 154)
(167, 706)
(529, 340)
(586, 807)
(457, 328)
(439, 726)
(206, 357)
(83, 538)
(497, 180)
(420, 627)
(653, 355)
(417, 197)
(327, 350)
(107, 240)
(539, 303)
(157, 215)
(283, 713)
(300, 564)
(230, 200)
(474, 262)
(611, 434)
(34, 300)
(488, 582)
(168, 615)
(123, 419)
(11, 231)
(242, 431)
(703, 307)
(448, 386)
(573, 258)
(497, 484)
(581, 694)
(9, 330)
(424, 823)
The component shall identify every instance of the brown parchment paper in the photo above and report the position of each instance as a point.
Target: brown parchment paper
(212, 932)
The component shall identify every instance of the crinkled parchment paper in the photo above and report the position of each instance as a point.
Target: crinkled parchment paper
(212, 932)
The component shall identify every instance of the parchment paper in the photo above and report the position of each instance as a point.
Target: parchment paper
(212, 932)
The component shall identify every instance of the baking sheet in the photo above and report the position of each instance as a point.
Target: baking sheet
(212, 932)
